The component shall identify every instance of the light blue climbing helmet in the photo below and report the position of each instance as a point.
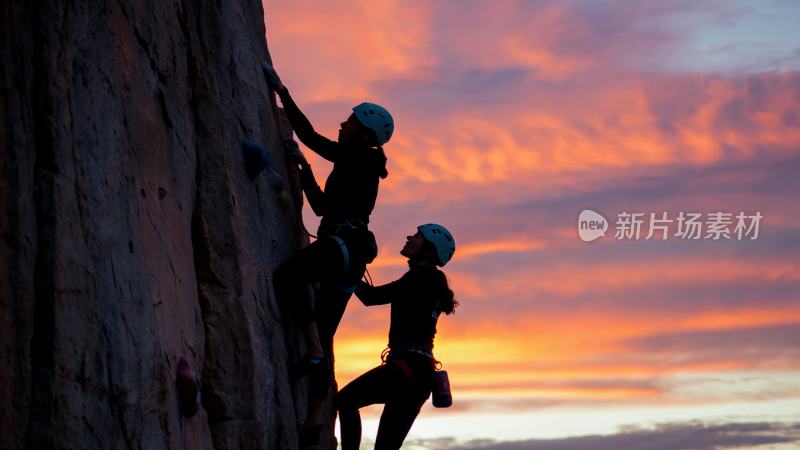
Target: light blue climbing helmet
(376, 118)
(441, 239)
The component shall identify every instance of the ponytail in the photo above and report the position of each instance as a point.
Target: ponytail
(448, 303)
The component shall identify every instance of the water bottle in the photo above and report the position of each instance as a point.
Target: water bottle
(441, 390)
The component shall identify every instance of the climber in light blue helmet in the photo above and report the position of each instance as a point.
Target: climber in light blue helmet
(370, 116)
(336, 261)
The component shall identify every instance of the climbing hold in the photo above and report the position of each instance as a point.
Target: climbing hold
(188, 389)
(285, 199)
(162, 193)
(275, 180)
(255, 158)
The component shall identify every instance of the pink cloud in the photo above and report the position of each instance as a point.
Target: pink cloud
(513, 116)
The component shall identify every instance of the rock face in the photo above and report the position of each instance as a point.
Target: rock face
(131, 235)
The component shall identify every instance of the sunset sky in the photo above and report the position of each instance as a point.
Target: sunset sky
(514, 116)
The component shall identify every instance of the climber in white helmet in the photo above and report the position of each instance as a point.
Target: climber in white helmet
(338, 258)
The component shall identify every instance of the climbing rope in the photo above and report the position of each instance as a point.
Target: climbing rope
(367, 277)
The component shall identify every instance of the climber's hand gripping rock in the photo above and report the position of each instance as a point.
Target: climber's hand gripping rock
(295, 155)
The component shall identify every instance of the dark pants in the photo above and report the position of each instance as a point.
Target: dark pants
(322, 261)
(402, 394)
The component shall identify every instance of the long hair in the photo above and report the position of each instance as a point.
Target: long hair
(379, 161)
(447, 303)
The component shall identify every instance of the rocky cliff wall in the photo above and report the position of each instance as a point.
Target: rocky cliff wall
(131, 235)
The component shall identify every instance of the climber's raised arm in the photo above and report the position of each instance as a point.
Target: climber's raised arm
(318, 143)
(314, 194)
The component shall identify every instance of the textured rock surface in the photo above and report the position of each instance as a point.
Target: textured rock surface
(131, 235)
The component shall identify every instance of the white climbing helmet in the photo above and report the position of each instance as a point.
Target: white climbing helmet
(376, 118)
(441, 239)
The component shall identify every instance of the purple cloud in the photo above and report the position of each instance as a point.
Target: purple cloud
(669, 436)
(766, 341)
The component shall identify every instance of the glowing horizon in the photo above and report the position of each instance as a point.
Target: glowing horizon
(512, 117)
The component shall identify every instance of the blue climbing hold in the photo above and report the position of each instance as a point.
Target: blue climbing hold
(256, 158)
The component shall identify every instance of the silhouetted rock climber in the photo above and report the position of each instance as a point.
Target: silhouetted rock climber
(338, 258)
(405, 379)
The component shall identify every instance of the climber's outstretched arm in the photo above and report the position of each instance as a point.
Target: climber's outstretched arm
(380, 295)
(318, 143)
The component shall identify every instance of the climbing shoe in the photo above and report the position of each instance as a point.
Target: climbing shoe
(255, 158)
(318, 368)
(285, 200)
(308, 365)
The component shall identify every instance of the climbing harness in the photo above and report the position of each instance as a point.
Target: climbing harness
(343, 249)
(356, 244)
(418, 351)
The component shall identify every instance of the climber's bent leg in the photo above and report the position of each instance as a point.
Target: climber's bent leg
(319, 261)
(375, 386)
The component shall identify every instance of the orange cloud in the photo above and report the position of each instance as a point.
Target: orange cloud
(569, 355)
(572, 279)
(466, 251)
(497, 106)
(345, 47)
